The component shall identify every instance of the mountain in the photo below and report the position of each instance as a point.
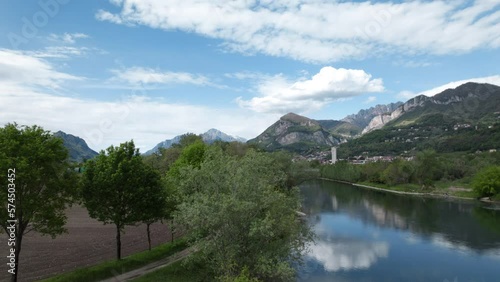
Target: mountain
(455, 103)
(340, 128)
(164, 144)
(295, 133)
(208, 137)
(77, 147)
(213, 135)
(466, 118)
(363, 118)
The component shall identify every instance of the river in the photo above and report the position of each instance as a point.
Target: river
(367, 235)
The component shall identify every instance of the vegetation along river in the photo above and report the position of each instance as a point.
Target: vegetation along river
(367, 235)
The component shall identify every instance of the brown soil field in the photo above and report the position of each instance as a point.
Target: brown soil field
(88, 242)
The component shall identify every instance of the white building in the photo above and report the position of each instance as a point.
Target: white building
(334, 155)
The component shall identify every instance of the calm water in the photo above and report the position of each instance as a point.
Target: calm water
(364, 235)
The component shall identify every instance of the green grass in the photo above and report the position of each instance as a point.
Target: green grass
(110, 268)
(179, 271)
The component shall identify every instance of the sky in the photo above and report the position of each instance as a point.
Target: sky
(110, 71)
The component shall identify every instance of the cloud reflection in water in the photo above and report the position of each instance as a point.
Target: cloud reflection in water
(347, 255)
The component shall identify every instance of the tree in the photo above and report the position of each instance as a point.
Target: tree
(38, 187)
(240, 217)
(398, 172)
(187, 139)
(487, 181)
(117, 186)
(152, 204)
(427, 168)
(163, 159)
(191, 155)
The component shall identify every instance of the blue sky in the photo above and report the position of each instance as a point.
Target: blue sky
(115, 70)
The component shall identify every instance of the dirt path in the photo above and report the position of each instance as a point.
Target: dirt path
(150, 267)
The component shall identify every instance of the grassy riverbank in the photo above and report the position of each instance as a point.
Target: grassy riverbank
(110, 269)
(444, 189)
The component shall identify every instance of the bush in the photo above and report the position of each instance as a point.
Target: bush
(487, 181)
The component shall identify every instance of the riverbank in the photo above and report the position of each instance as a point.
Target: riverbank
(433, 194)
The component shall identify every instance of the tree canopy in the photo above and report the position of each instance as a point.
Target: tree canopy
(118, 189)
(40, 181)
(241, 217)
(487, 181)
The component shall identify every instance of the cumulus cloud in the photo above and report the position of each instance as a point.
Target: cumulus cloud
(346, 255)
(279, 95)
(21, 70)
(68, 38)
(495, 79)
(140, 75)
(323, 31)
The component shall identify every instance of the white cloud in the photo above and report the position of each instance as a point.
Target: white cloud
(347, 255)
(140, 75)
(20, 70)
(68, 38)
(26, 81)
(370, 100)
(107, 16)
(495, 79)
(406, 95)
(59, 52)
(323, 31)
(413, 63)
(278, 95)
(102, 124)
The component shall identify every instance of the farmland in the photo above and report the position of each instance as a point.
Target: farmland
(87, 242)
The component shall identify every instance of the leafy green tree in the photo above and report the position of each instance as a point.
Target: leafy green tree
(191, 155)
(37, 183)
(152, 205)
(163, 159)
(187, 139)
(398, 172)
(117, 186)
(241, 220)
(428, 168)
(487, 181)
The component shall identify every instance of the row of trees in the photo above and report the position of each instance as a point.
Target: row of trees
(479, 170)
(237, 205)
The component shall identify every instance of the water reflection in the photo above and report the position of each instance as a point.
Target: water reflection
(363, 235)
(347, 254)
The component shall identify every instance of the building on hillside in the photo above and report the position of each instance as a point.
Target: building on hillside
(334, 155)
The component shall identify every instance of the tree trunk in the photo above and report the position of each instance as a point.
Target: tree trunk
(19, 238)
(172, 230)
(149, 235)
(118, 242)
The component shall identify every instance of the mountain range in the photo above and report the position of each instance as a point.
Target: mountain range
(466, 118)
(208, 137)
(462, 119)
